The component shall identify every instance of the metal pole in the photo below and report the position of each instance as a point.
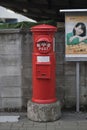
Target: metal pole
(77, 87)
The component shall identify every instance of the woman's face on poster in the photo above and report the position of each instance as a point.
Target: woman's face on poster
(78, 30)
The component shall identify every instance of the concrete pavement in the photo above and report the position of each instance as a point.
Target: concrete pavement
(68, 121)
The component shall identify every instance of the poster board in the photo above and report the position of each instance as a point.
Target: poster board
(76, 36)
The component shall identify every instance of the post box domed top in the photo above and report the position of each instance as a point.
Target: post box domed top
(44, 27)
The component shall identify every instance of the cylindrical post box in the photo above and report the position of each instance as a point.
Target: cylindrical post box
(43, 64)
(44, 105)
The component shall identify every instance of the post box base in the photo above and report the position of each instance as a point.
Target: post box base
(43, 112)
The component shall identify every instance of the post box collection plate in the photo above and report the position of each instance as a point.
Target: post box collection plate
(43, 71)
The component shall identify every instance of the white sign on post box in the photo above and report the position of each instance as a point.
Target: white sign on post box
(43, 58)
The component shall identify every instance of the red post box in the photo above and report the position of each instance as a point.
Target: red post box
(43, 64)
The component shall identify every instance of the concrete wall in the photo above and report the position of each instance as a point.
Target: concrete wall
(10, 69)
(16, 71)
(27, 67)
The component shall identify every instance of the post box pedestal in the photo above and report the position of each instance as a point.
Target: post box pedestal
(43, 112)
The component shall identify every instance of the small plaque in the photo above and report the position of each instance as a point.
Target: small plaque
(43, 59)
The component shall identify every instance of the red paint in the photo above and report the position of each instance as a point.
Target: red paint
(43, 64)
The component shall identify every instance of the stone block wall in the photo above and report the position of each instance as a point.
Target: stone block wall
(15, 68)
(27, 67)
(10, 69)
(60, 78)
(16, 71)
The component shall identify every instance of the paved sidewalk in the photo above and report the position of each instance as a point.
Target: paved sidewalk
(68, 121)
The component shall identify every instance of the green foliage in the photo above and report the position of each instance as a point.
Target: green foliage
(25, 25)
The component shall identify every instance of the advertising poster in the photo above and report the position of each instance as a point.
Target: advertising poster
(76, 35)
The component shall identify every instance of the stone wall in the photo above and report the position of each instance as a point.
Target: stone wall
(27, 67)
(10, 69)
(16, 71)
(60, 78)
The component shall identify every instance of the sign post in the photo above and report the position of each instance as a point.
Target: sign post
(76, 42)
(77, 87)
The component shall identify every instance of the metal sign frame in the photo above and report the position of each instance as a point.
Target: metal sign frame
(76, 58)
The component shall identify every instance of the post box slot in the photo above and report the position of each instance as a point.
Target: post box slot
(43, 71)
(44, 74)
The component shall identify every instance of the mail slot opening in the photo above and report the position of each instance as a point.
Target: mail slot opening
(43, 71)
